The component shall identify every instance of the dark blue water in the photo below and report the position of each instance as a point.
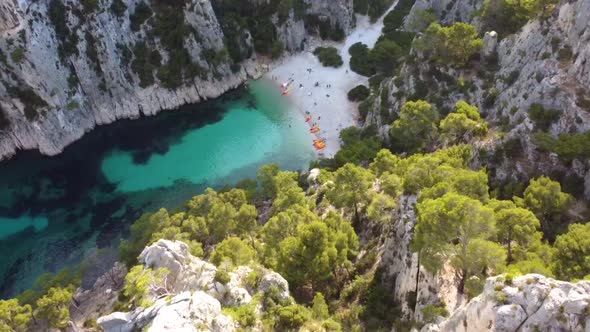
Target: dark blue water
(56, 210)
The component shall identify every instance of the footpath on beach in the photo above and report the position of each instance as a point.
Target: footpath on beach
(320, 93)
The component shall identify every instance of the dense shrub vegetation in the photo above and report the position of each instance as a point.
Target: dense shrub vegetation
(68, 39)
(236, 16)
(508, 16)
(32, 102)
(328, 56)
(543, 118)
(359, 93)
(452, 45)
(359, 60)
(567, 146)
(373, 8)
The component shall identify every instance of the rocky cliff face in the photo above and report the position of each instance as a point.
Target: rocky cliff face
(65, 67)
(196, 297)
(10, 15)
(545, 63)
(414, 286)
(527, 303)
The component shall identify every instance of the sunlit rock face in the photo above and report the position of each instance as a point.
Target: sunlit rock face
(195, 298)
(48, 100)
(528, 303)
(10, 15)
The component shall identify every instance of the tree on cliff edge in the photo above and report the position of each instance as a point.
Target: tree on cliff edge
(456, 228)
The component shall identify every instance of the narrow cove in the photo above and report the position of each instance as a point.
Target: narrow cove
(54, 211)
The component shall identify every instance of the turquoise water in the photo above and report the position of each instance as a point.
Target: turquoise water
(245, 137)
(56, 211)
(10, 226)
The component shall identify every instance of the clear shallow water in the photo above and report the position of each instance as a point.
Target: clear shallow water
(54, 211)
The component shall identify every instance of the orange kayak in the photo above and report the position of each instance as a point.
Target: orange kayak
(308, 118)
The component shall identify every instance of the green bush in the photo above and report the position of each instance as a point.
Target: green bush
(141, 64)
(365, 106)
(89, 6)
(512, 77)
(328, 56)
(222, 277)
(567, 146)
(140, 15)
(507, 16)
(33, 103)
(359, 93)
(68, 40)
(18, 55)
(118, 7)
(291, 317)
(543, 118)
(245, 315)
(451, 45)
(359, 60)
(357, 145)
(385, 56)
(431, 312)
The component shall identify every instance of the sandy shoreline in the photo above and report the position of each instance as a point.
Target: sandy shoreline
(327, 103)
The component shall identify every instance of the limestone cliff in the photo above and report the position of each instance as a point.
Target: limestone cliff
(67, 66)
(195, 297)
(528, 303)
(545, 63)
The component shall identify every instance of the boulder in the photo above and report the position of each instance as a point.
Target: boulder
(529, 303)
(274, 279)
(490, 44)
(196, 312)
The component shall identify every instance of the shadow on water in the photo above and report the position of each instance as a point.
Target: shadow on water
(82, 207)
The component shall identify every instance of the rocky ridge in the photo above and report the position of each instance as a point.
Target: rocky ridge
(527, 303)
(47, 101)
(196, 298)
(545, 63)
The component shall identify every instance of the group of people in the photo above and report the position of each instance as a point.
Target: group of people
(319, 143)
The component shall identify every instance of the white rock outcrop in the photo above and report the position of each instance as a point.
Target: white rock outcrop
(73, 95)
(197, 298)
(10, 15)
(414, 287)
(526, 304)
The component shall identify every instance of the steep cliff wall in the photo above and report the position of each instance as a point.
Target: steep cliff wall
(528, 303)
(195, 296)
(546, 63)
(67, 66)
(10, 15)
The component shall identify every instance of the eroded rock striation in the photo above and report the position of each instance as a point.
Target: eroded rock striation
(196, 297)
(66, 67)
(527, 303)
